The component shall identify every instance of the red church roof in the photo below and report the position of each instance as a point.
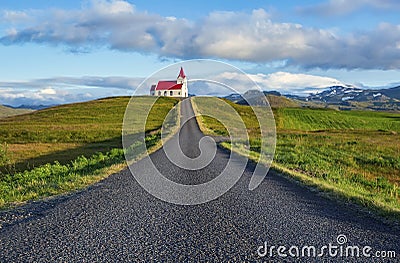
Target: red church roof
(182, 74)
(167, 85)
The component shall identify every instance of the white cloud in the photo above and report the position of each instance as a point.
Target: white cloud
(46, 85)
(48, 91)
(15, 16)
(9, 94)
(114, 7)
(290, 81)
(17, 97)
(252, 37)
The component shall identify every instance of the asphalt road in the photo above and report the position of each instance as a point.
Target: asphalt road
(116, 220)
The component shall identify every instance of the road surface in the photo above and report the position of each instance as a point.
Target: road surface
(116, 220)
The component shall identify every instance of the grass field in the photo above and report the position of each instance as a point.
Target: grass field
(63, 133)
(320, 119)
(67, 147)
(352, 154)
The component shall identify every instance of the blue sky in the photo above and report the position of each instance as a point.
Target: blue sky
(65, 51)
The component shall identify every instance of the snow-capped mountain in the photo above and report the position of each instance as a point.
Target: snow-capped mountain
(340, 94)
(350, 97)
(346, 97)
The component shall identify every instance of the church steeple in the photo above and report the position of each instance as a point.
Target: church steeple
(181, 74)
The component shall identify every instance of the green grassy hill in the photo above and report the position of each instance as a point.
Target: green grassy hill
(281, 102)
(7, 111)
(351, 154)
(64, 132)
(64, 148)
(274, 101)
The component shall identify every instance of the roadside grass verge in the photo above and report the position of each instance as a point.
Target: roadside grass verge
(353, 155)
(70, 163)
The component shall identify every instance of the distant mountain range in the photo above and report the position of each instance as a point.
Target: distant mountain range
(7, 110)
(338, 94)
(340, 97)
(32, 107)
(349, 97)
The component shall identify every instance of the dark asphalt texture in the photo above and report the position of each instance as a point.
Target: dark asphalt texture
(116, 220)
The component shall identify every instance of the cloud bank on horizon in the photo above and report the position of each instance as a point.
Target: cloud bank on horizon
(69, 89)
(245, 36)
(61, 90)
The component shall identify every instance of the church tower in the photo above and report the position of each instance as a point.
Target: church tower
(182, 80)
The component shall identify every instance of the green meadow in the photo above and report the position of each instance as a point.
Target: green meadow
(348, 154)
(64, 148)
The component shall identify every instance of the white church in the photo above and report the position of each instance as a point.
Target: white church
(171, 88)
